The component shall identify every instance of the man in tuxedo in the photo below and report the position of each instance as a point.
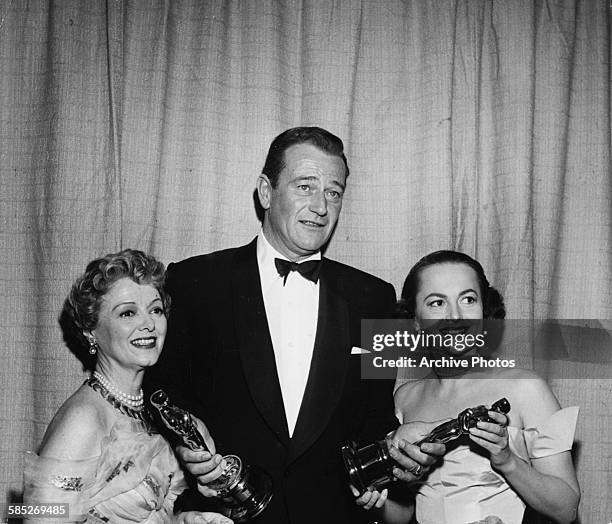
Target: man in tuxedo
(260, 339)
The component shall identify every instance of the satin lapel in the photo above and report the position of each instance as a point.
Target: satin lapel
(328, 368)
(256, 351)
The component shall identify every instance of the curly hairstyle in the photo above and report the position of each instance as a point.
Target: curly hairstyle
(493, 302)
(82, 306)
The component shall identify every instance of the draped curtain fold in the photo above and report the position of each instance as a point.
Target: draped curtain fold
(476, 125)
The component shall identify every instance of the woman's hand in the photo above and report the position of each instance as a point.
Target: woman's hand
(202, 517)
(493, 436)
(372, 498)
(205, 466)
(413, 461)
(385, 510)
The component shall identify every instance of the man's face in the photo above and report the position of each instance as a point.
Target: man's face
(303, 209)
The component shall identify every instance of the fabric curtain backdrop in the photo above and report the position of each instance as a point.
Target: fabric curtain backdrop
(476, 125)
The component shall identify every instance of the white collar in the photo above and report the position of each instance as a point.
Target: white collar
(266, 254)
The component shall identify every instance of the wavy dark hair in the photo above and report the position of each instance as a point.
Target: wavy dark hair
(82, 306)
(493, 302)
(317, 136)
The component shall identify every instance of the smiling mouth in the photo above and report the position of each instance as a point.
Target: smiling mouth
(455, 330)
(310, 223)
(452, 327)
(145, 343)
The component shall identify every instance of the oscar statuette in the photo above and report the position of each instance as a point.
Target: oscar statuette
(244, 490)
(372, 465)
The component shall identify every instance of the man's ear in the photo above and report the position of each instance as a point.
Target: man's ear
(264, 189)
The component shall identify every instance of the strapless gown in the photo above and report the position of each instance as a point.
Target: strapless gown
(465, 489)
(136, 478)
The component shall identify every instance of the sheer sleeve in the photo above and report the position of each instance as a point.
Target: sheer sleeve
(49, 480)
(136, 478)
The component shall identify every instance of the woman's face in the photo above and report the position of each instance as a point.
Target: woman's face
(131, 325)
(448, 299)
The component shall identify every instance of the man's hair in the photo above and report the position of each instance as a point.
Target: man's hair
(493, 302)
(324, 140)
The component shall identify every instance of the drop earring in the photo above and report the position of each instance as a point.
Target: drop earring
(93, 347)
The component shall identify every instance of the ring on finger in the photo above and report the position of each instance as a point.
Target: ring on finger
(416, 470)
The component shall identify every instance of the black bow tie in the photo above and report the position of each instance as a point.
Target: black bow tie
(309, 269)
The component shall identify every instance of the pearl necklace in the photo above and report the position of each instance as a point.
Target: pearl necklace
(142, 413)
(133, 401)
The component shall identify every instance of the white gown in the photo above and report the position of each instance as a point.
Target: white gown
(136, 478)
(465, 489)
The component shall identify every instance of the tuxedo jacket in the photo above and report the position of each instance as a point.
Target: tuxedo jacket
(218, 362)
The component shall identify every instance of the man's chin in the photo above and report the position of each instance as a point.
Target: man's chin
(310, 246)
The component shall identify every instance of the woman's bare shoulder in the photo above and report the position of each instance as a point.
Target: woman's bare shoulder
(531, 395)
(77, 428)
(517, 376)
(409, 393)
(526, 380)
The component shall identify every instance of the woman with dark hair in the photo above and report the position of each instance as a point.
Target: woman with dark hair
(519, 458)
(101, 455)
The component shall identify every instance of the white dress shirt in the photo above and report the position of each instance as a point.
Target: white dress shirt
(292, 311)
